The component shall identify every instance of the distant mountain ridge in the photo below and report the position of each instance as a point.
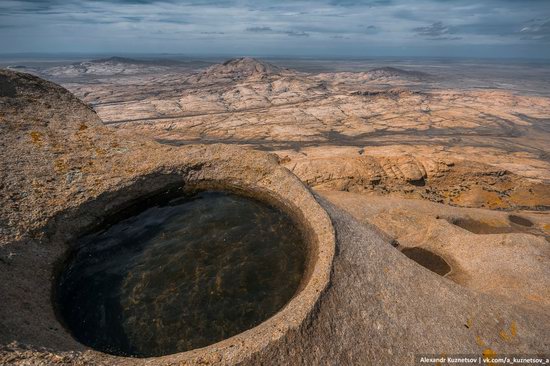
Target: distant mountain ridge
(133, 61)
(117, 65)
(394, 72)
(115, 59)
(242, 68)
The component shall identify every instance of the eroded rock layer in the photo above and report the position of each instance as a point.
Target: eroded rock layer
(386, 130)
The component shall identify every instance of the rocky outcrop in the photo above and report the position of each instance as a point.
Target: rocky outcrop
(481, 246)
(238, 69)
(450, 181)
(63, 172)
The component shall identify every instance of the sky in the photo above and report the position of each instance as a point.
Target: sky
(329, 28)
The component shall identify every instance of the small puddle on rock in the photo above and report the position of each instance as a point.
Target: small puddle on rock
(427, 259)
(181, 274)
(479, 227)
(518, 220)
(519, 225)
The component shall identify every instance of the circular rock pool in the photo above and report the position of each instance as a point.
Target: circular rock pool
(179, 272)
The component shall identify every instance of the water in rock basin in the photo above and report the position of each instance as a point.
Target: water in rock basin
(427, 259)
(182, 274)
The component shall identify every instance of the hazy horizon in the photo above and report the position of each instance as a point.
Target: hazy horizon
(84, 56)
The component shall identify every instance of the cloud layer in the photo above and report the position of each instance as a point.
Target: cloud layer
(333, 28)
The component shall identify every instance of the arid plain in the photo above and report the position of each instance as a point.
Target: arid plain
(455, 164)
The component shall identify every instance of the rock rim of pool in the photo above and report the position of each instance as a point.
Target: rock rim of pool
(63, 172)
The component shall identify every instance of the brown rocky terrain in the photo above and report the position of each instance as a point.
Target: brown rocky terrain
(461, 174)
(385, 130)
(487, 251)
